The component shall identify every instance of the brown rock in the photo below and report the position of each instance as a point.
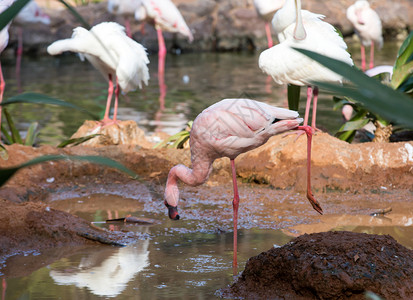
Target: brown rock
(121, 133)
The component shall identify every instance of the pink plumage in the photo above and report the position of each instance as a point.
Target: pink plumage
(227, 129)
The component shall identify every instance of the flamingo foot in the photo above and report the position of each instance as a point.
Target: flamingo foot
(314, 203)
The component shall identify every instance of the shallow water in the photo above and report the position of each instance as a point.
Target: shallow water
(194, 81)
(189, 258)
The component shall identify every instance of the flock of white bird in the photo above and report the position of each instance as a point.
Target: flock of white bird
(231, 126)
(122, 59)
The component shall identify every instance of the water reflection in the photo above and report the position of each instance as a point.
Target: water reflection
(106, 272)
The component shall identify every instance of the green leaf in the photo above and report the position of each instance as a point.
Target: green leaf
(11, 12)
(293, 96)
(31, 134)
(6, 136)
(7, 173)
(36, 98)
(76, 14)
(405, 53)
(401, 74)
(15, 135)
(77, 141)
(380, 99)
(4, 155)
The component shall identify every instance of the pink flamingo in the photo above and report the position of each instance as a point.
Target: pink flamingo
(107, 47)
(164, 15)
(4, 40)
(227, 129)
(266, 10)
(302, 29)
(368, 27)
(31, 13)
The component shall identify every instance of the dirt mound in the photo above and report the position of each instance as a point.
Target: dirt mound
(329, 265)
(30, 226)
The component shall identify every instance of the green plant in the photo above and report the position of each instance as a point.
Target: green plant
(402, 80)
(178, 140)
(13, 136)
(391, 105)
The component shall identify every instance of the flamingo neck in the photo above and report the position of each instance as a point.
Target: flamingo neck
(193, 177)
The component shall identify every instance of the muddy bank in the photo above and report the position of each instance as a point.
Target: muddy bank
(328, 265)
(373, 176)
(216, 25)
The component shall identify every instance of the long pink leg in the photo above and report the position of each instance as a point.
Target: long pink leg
(371, 56)
(4, 286)
(268, 33)
(115, 110)
(314, 203)
(363, 58)
(235, 205)
(106, 118)
(19, 56)
(307, 106)
(2, 86)
(161, 69)
(315, 99)
(127, 27)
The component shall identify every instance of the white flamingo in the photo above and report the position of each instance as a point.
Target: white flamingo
(113, 53)
(266, 10)
(367, 25)
(306, 30)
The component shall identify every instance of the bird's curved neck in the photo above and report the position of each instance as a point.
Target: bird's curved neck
(193, 177)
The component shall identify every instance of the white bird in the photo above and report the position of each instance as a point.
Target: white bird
(302, 29)
(367, 25)
(126, 9)
(113, 53)
(4, 40)
(266, 10)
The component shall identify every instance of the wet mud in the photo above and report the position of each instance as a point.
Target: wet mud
(328, 265)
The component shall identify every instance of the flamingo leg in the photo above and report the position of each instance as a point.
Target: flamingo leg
(127, 27)
(235, 205)
(115, 110)
(19, 54)
(4, 286)
(106, 118)
(371, 55)
(314, 203)
(315, 99)
(307, 106)
(2, 86)
(363, 58)
(161, 69)
(268, 33)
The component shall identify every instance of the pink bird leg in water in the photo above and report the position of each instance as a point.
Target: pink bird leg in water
(227, 129)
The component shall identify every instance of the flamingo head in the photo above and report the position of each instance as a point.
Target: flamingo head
(172, 211)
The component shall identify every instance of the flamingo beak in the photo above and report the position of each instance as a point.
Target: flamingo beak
(172, 211)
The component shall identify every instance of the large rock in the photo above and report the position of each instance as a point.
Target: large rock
(335, 164)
